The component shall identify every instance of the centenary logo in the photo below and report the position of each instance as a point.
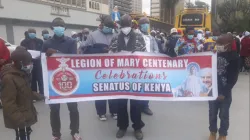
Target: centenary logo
(64, 80)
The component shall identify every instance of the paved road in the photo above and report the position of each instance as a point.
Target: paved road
(171, 120)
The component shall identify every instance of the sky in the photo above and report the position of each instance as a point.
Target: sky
(146, 5)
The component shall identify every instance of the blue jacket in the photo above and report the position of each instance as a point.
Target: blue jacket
(64, 45)
(113, 15)
(97, 42)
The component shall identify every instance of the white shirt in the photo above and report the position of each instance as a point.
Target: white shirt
(147, 41)
(116, 16)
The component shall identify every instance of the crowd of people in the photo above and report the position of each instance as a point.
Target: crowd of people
(21, 74)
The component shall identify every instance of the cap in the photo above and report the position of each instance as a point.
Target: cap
(21, 55)
(173, 30)
(73, 33)
(247, 33)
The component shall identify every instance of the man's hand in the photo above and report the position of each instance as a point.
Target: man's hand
(50, 51)
(2, 61)
(221, 98)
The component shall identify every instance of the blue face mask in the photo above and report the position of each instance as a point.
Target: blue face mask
(32, 35)
(190, 37)
(215, 38)
(145, 27)
(59, 31)
(46, 36)
(107, 30)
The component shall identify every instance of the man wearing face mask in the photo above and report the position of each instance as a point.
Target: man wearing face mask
(74, 36)
(187, 44)
(60, 43)
(34, 43)
(128, 40)
(17, 96)
(151, 46)
(171, 42)
(98, 42)
(45, 34)
(228, 70)
(85, 34)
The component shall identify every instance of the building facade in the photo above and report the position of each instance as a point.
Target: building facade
(155, 8)
(16, 16)
(159, 10)
(124, 6)
(137, 6)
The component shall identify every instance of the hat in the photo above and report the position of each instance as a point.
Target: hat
(153, 31)
(73, 33)
(173, 30)
(247, 33)
(21, 55)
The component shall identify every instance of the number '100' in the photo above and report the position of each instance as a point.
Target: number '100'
(65, 85)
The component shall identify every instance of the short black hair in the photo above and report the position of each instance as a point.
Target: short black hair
(45, 31)
(58, 22)
(189, 28)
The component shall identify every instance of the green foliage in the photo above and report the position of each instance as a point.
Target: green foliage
(234, 15)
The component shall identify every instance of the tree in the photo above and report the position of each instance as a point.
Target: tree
(234, 15)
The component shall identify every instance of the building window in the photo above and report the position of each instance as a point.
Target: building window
(1, 6)
(94, 5)
(69, 3)
(90, 3)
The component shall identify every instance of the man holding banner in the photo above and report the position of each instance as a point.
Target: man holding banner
(130, 41)
(98, 42)
(151, 46)
(62, 44)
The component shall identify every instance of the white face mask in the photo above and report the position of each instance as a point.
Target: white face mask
(126, 30)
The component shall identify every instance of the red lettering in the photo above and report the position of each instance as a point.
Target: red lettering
(104, 76)
(151, 76)
(128, 74)
(99, 72)
(110, 74)
(158, 76)
(116, 76)
(122, 75)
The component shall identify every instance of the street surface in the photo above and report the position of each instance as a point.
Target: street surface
(171, 120)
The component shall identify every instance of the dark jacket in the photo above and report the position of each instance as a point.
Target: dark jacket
(97, 42)
(32, 44)
(170, 45)
(237, 41)
(64, 45)
(17, 98)
(135, 43)
(228, 71)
